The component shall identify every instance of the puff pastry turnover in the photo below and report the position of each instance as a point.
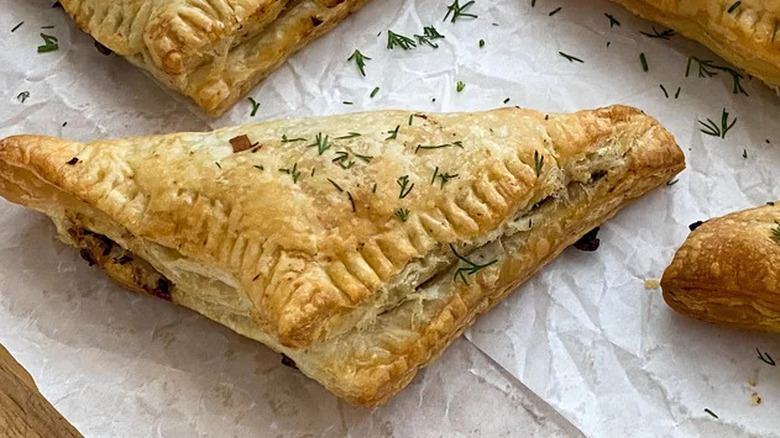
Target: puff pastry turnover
(212, 51)
(745, 33)
(728, 271)
(359, 245)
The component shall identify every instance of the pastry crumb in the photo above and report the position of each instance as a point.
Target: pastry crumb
(652, 283)
(756, 399)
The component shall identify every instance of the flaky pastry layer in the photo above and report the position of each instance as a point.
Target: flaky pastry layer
(728, 271)
(357, 245)
(212, 51)
(745, 33)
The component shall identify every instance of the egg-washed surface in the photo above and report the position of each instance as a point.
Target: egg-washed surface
(746, 33)
(358, 245)
(726, 271)
(212, 51)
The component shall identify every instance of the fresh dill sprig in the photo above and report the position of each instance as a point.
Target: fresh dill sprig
(776, 233)
(712, 128)
(349, 135)
(460, 86)
(366, 158)
(321, 142)
(430, 34)
(713, 414)
(393, 133)
(612, 20)
(360, 60)
(643, 60)
(708, 69)
(374, 92)
(554, 11)
(445, 177)
(255, 106)
(403, 182)
(342, 159)
(294, 172)
(665, 35)
(471, 268)
(402, 214)
(734, 6)
(351, 201)
(50, 44)
(455, 11)
(397, 40)
(538, 163)
(432, 146)
(571, 58)
(335, 185)
(23, 96)
(291, 140)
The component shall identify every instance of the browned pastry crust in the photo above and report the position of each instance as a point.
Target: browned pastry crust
(746, 34)
(342, 250)
(212, 51)
(728, 271)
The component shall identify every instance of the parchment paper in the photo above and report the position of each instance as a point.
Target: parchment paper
(585, 334)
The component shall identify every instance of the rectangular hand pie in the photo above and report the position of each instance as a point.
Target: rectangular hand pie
(212, 51)
(746, 33)
(358, 245)
(728, 271)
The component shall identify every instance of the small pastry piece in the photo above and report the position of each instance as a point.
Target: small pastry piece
(728, 271)
(212, 51)
(359, 246)
(746, 33)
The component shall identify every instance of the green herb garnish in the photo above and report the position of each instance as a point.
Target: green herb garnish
(538, 163)
(393, 133)
(17, 26)
(397, 40)
(712, 128)
(430, 34)
(349, 135)
(351, 201)
(571, 58)
(471, 268)
(734, 7)
(672, 182)
(460, 86)
(776, 234)
(402, 214)
(291, 140)
(360, 60)
(294, 172)
(255, 106)
(432, 146)
(481, 43)
(50, 44)
(555, 11)
(23, 96)
(335, 185)
(643, 60)
(665, 35)
(707, 410)
(403, 182)
(321, 142)
(457, 11)
(612, 20)
(374, 92)
(366, 158)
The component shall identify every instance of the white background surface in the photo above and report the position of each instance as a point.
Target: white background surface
(584, 334)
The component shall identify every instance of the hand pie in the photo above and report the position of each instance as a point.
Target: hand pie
(212, 51)
(728, 271)
(358, 245)
(746, 33)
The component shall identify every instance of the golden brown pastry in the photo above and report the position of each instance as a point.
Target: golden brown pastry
(212, 51)
(745, 33)
(728, 271)
(359, 245)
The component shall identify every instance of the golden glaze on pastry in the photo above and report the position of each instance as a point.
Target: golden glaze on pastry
(336, 240)
(213, 51)
(748, 36)
(728, 271)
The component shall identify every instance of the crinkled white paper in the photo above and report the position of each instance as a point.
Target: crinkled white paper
(584, 334)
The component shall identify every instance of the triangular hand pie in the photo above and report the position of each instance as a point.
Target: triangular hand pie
(211, 51)
(358, 245)
(727, 271)
(745, 33)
